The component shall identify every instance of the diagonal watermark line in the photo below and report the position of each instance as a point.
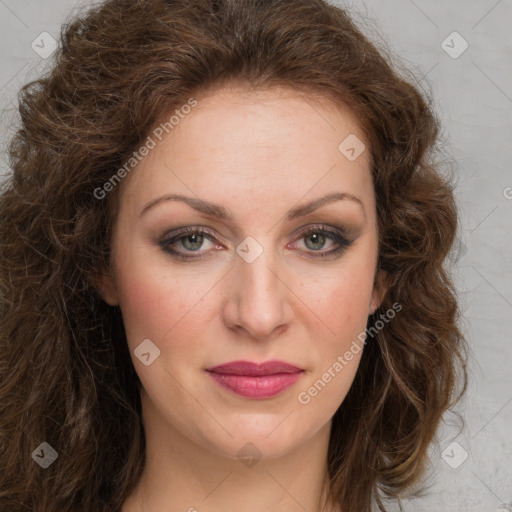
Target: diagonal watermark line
(491, 285)
(424, 13)
(485, 15)
(286, 417)
(305, 98)
(305, 194)
(199, 403)
(492, 81)
(423, 76)
(488, 488)
(215, 284)
(4, 160)
(434, 66)
(217, 486)
(481, 222)
(13, 13)
(285, 490)
(333, 333)
(473, 436)
(13, 77)
(181, 180)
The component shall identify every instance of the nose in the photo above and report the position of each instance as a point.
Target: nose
(258, 297)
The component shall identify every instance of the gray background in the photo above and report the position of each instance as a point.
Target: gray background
(473, 96)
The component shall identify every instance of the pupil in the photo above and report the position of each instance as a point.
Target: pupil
(194, 240)
(316, 238)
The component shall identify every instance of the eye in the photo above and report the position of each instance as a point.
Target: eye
(191, 240)
(315, 238)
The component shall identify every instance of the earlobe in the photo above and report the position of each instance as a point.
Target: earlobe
(381, 286)
(104, 285)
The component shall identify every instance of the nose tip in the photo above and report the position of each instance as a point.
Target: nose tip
(258, 300)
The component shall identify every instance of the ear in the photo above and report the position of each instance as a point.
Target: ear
(381, 285)
(105, 286)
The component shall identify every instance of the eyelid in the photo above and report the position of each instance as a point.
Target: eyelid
(176, 234)
(312, 228)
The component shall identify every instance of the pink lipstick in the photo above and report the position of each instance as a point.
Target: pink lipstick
(254, 380)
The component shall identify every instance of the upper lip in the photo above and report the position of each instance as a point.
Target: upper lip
(255, 369)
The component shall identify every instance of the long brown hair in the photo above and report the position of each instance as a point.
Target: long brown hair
(66, 377)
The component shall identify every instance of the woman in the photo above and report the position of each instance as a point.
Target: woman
(223, 278)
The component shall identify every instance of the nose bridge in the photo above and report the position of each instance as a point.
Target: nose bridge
(259, 292)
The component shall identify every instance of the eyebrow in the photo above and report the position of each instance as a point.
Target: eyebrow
(220, 212)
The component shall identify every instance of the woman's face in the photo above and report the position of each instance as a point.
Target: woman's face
(275, 278)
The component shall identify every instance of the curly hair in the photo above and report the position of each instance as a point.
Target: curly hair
(66, 376)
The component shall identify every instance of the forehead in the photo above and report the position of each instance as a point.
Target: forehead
(271, 145)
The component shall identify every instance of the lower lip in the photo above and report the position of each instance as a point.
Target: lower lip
(263, 386)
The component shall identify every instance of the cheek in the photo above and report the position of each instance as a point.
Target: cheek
(343, 309)
(342, 302)
(348, 301)
(154, 304)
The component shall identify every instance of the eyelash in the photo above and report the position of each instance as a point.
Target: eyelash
(334, 235)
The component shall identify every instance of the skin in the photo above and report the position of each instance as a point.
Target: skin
(258, 154)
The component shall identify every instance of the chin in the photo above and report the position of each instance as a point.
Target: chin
(257, 435)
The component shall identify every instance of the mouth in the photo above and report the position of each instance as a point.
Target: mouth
(256, 381)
